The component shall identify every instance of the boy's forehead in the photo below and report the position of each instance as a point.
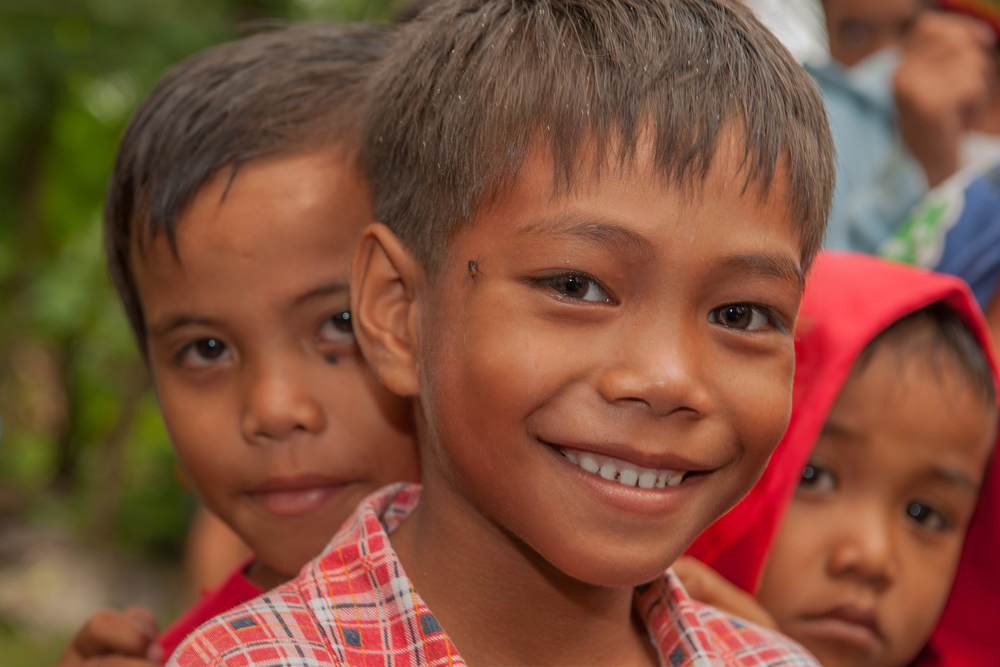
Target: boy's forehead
(601, 195)
(289, 223)
(918, 411)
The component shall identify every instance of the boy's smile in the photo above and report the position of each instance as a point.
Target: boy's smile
(274, 414)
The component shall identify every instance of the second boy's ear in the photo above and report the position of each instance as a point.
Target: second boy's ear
(384, 281)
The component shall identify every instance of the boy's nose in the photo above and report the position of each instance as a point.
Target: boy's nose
(277, 405)
(864, 552)
(657, 368)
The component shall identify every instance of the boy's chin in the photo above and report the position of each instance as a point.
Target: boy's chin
(623, 565)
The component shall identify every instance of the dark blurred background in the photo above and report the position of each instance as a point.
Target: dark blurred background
(92, 511)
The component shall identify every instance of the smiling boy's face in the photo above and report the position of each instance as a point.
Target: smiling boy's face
(275, 416)
(635, 330)
(868, 549)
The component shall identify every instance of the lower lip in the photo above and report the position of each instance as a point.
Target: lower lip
(295, 502)
(835, 629)
(630, 499)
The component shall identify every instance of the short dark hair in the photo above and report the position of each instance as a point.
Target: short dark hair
(469, 85)
(930, 331)
(296, 89)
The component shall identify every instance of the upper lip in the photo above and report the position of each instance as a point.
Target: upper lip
(294, 483)
(851, 613)
(658, 461)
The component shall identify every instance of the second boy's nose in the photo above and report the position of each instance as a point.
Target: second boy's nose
(864, 550)
(278, 403)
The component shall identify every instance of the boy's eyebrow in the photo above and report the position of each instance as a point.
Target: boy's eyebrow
(777, 266)
(323, 290)
(171, 322)
(595, 229)
(955, 477)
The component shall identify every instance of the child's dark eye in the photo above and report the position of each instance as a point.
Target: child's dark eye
(578, 286)
(335, 337)
(334, 328)
(816, 480)
(203, 352)
(927, 517)
(743, 316)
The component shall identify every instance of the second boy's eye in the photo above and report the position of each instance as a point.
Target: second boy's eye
(816, 480)
(335, 327)
(927, 517)
(743, 316)
(203, 352)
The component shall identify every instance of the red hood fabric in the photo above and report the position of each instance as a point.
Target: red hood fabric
(849, 299)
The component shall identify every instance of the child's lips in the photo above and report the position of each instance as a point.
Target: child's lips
(295, 496)
(618, 488)
(847, 623)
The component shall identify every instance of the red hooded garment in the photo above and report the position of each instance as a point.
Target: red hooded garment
(848, 300)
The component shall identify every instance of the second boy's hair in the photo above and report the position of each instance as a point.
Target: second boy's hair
(472, 85)
(291, 90)
(931, 331)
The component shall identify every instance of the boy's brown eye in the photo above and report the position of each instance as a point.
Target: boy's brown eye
(343, 322)
(743, 316)
(578, 286)
(210, 348)
(928, 517)
(336, 329)
(816, 480)
(203, 353)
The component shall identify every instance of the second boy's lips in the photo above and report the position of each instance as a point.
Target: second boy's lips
(295, 496)
(847, 623)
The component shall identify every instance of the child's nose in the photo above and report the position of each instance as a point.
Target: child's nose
(278, 404)
(657, 367)
(864, 551)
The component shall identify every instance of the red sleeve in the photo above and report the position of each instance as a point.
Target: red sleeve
(236, 590)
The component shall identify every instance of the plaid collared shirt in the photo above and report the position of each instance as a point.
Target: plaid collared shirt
(353, 606)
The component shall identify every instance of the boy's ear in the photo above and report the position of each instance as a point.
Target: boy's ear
(384, 282)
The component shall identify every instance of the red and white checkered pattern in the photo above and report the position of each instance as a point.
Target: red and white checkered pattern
(353, 606)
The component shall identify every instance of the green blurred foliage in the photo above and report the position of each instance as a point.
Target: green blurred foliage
(82, 441)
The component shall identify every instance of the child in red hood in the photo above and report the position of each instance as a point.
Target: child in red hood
(873, 534)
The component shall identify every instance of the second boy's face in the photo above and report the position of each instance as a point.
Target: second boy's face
(866, 554)
(613, 371)
(275, 416)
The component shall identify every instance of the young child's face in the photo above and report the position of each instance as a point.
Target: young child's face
(868, 550)
(859, 28)
(274, 414)
(605, 345)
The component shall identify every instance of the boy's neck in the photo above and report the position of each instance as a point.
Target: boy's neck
(263, 576)
(501, 603)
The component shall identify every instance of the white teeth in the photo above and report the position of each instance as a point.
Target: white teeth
(588, 463)
(628, 477)
(626, 474)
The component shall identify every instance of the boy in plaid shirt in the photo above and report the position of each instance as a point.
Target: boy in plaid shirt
(595, 218)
